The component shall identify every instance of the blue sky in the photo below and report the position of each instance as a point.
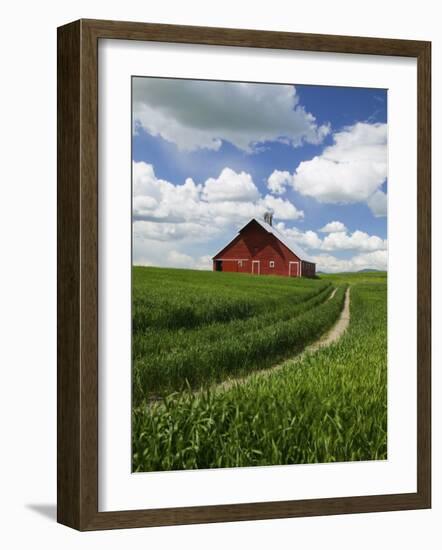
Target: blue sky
(208, 156)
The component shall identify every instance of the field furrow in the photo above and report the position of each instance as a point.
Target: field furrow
(177, 301)
(167, 360)
(329, 406)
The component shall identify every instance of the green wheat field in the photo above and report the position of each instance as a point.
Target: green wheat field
(195, 333)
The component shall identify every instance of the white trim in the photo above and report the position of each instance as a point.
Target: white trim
(232, 259)
(259, 267)
(297, 269)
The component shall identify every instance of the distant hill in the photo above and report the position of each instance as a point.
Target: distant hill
(366, 270)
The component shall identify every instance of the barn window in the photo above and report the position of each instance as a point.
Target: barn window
(271, 263)
(239, 263)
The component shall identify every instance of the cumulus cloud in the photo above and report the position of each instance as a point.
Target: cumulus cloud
(170, 220)
(197, 114)
(203, 262)
(192, 213)
(278, 181)
(368, 260)
(358, 241)
(230, 198)
(166, 232)
(159, 200)
(167, 255)
(349, 171)
(333, 227)
(378, 204)
(306, 239)
(178, 259)
(281, 208)
(230, 186)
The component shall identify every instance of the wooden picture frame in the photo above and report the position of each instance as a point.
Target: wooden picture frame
(77, 227)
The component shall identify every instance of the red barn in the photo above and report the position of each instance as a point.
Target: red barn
(260, 248)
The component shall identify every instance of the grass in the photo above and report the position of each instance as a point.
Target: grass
(279, 322)
(182, 298)
(329, 406)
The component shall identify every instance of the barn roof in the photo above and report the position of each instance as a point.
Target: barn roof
(289, 243)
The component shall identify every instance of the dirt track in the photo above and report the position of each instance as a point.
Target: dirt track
(337, 329)
(331, 336)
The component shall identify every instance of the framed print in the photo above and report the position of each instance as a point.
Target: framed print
(243, 275)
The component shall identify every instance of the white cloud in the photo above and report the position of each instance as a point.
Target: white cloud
(281, 208)
(306, 239)
(230, 186)
(171, 220)
(333, 227)
(167, 254)
(358, 240)
(351, 170)
(201, 114)
(378, 204)
(278, 181)
(178, 259)
(179, 216)
(230, 198)
(368, 260)
(168, 232)
(157, 199)
(203, 263)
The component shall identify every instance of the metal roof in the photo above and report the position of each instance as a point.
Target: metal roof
(289, 243)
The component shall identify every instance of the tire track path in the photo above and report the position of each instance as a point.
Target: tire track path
(330, 337)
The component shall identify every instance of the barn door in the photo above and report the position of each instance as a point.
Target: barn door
(256, 267)
(293, 269)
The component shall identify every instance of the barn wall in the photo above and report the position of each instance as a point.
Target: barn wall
(255, 243)
(308, 269)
